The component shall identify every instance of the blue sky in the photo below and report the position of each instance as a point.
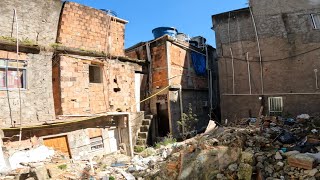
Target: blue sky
(192, 17)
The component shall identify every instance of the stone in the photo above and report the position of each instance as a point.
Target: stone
(220, 176)
(278, 156)
(40, 172)
(301, 161)
(54, 171)
(247, 157)
(260, 165)
(312, 172)
(245, 171)
(269, 169)
(233, 167)
(281, 164)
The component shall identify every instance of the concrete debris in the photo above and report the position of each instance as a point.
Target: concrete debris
(38, 154)
(239, 152)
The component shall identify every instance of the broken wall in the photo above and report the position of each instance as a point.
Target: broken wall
(288, 45)
(90, 29)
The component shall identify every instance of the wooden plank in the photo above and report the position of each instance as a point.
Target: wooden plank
(58, 143)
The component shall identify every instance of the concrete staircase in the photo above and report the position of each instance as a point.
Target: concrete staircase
(143, 133)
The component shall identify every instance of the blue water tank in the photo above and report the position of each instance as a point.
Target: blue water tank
(160, 31)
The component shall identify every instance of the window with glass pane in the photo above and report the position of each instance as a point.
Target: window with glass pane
(12, 74)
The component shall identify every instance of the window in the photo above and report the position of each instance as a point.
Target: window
(12, 74)
(95, 74)
(96, 143)
(275, 106)
(315, 21)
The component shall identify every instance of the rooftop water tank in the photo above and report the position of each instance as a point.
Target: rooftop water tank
(182, 37)
(110, 12)
(160, 31)
(200, 41)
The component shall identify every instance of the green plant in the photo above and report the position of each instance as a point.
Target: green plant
(62, 166)
(139, 149)
(7, 38)
(188, 122)
(112, 178)
(55, 45)
(166, 141)
(27, 41)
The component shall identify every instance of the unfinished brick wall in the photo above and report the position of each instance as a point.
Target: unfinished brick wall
(90, 29)
(79, 96)
(172, 65)
(183, 71)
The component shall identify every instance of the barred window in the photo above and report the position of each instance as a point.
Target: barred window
(12, 74)
(315, 21)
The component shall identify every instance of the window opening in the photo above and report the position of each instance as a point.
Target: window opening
(95, 74)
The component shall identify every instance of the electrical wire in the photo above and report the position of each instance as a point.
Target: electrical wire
(272, 60)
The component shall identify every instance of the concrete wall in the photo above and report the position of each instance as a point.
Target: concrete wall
(38, 20)
(288, 45)
(91, 29)
(79, 96)
(37, 100)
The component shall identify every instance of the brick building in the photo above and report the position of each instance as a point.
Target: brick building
(79, 93)
(173, 77)
(268, 57)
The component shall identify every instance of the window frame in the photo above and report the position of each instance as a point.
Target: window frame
(273, 103)
(314, 24)
(6, 67)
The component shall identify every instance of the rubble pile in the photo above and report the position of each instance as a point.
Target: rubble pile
(275, 148)
(265, 149)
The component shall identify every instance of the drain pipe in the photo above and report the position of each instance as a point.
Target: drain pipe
(233, 74)
(316, 75)
(260, 56)
(249, 73)
(181, 106)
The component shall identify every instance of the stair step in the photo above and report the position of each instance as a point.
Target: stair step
(148, 116)
(144, 128)
(146, 122)
(142, 135)
(141, 142)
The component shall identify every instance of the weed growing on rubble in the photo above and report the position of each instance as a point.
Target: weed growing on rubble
(62, 166)
(139, 149)
(188, 122)
(166, 141)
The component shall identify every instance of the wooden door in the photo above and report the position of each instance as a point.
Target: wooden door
(58, 143)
